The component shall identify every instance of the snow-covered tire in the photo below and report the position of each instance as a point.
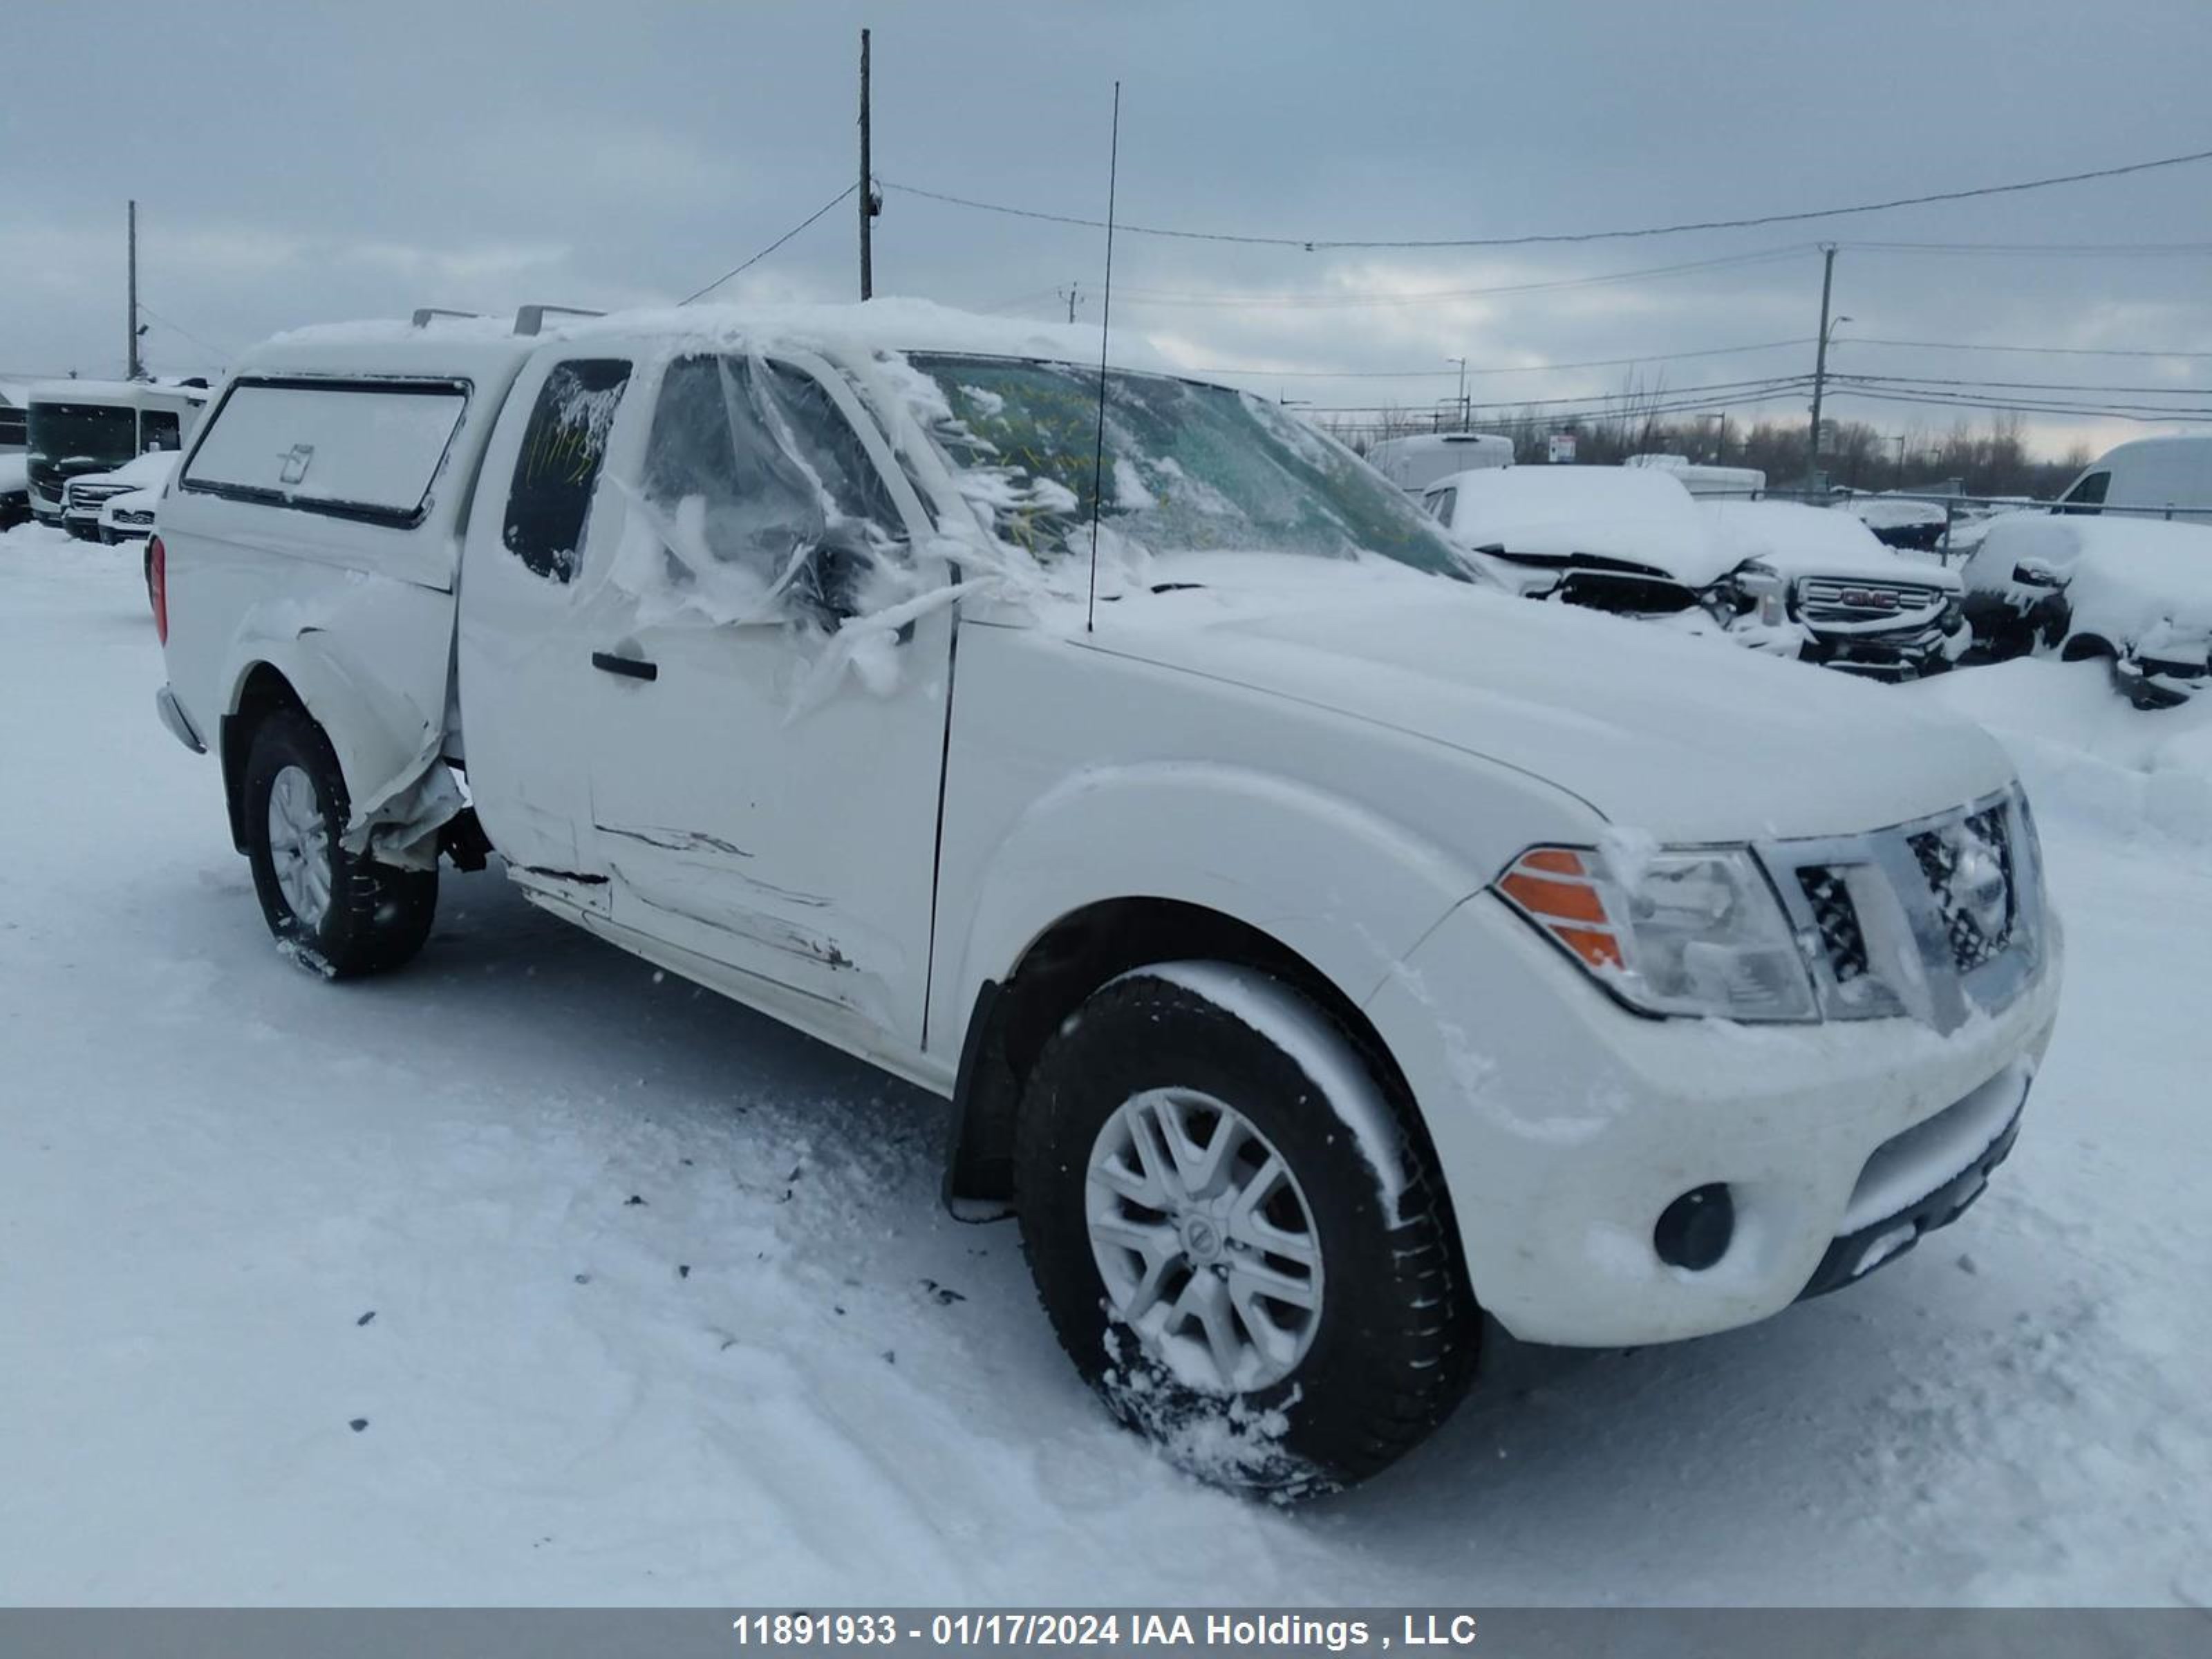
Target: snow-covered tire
(1331, 1394)
(336, 913)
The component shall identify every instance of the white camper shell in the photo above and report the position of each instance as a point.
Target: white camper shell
(1320, 948)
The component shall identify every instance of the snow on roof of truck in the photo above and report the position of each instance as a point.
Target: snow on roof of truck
(450, 344)
(109, 391)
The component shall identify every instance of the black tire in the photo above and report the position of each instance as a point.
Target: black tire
(1394, 1341)
(378, 915)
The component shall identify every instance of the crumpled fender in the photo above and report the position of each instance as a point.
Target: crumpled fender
(386, 721)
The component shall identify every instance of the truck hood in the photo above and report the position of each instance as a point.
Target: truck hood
(1687, 739)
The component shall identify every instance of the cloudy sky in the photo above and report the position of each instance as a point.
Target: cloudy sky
(302, 162)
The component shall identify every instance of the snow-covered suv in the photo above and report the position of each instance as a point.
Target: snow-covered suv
(1317, 946)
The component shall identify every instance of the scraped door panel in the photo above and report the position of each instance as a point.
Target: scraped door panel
(750, 809)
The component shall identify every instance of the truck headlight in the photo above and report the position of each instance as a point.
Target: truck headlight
(1678, 931)
(1765, 590)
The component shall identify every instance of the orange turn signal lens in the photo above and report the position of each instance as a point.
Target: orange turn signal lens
(1555, 888)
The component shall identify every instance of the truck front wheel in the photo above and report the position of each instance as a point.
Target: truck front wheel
(337, 913)
(1239, 1242)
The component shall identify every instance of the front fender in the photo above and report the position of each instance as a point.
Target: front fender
(1335, 881)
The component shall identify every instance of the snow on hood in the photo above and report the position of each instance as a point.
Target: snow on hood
(1890, 513)
(2125, 577)
(1638, 515)
(15, 474)
(149, 471)
(1815, 541)
(1657, 732)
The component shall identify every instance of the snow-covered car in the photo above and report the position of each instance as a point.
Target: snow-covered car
(1319, 949)
(127, 515)
(1848, 601)
(85, 498)
(1899, 522)
(1788, 580)
(2136, 591)
(14, 490)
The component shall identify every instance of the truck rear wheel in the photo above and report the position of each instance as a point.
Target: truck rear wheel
(337, 913)
(1239, 1243)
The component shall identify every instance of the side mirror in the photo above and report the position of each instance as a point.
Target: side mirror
(834, 578)
(2034, 573)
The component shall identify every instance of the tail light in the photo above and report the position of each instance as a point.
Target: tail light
(157, 586)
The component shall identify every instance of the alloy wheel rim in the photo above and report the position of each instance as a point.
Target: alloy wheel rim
(1204, 1240)
(300, 847)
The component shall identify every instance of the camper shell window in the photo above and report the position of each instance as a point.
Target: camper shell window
(363, 449)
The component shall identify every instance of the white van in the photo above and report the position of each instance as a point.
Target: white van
(1320, 948)
(1703, 479)
(77, 427)
(1415, 463)
(2152, 477)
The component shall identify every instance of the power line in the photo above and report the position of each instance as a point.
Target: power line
(220, 351)
(1714, 392)
(2024, 405)
(772, 247)
(1918, 381)
(2047, 351)
(1523, 368)
(2099, 249)
(1312, 244)
(1323, 299)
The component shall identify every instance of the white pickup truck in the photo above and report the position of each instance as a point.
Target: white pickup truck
(1320, 949)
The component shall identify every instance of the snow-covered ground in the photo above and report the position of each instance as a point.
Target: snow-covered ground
(529, 1275)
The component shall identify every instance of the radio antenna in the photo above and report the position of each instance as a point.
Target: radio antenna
(1105, 323)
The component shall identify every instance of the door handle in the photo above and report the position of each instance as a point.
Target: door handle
(633, 668)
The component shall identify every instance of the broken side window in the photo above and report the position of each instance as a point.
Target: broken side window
(763, 493)
(563, 449)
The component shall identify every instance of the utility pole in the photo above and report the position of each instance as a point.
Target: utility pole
(1463, 411)
(1820, 364)
(135, 370)
(1070, 293)
(867, 183)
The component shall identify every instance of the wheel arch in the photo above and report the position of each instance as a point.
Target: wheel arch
(1011, 1018)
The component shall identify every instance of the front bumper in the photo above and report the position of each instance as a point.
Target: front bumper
(1567, 1135)
(1898, 655)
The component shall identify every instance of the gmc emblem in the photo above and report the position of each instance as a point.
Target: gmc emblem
(1871, 598)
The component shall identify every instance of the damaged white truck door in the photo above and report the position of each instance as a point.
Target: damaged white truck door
(525, 668)
(756, 803)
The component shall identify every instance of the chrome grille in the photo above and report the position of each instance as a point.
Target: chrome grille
(1832, 600)
(1837, 921)
(1931, 919)
(1969, 873)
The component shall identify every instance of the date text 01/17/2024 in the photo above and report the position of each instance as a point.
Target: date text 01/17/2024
(1008, 1629)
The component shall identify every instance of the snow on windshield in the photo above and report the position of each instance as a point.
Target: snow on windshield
(1189, 467)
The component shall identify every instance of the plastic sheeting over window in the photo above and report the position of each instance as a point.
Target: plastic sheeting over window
(759, 503)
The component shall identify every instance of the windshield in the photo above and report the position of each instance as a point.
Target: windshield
(60, 433)
(1189, 467)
